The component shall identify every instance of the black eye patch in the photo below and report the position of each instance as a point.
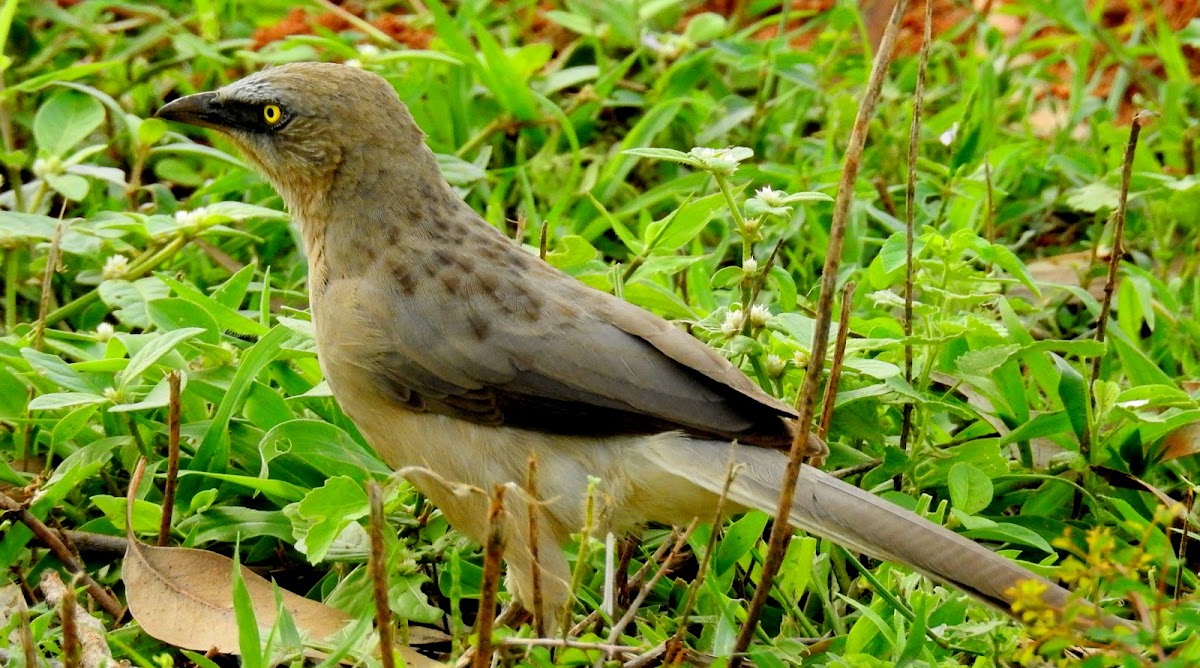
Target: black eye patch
(249, 116)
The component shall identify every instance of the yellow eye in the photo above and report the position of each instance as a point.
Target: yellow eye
(272, 114)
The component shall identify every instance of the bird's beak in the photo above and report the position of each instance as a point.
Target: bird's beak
(201, 109)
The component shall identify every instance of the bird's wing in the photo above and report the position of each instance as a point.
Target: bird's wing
(517, 342)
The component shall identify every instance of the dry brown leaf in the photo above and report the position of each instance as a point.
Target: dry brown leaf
(1182, 442)
(183, 597)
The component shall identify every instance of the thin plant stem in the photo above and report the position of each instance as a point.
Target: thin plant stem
(910, 215)
(781, 531)
(835, 369)
(1114, 260)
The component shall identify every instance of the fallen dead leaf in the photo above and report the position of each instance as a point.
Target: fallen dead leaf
(184, 597)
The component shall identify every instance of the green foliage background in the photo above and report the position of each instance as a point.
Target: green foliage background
(171, 255)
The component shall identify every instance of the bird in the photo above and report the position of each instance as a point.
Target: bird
(460, 356)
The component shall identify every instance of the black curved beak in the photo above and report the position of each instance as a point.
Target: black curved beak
(201, 109)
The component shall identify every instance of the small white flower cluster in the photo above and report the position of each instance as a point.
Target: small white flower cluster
(193, 218)
(760, 316)
(770, 202)
(732, 326)
(722, 161)
(114, 267)
(669, 47)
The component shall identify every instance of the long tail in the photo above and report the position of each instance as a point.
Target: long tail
(862, 522)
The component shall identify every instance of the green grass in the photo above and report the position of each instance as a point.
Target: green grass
(173, 256)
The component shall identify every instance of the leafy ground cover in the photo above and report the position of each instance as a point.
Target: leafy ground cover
(134, 254)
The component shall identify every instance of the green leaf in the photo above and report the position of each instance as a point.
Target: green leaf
(408, 600)
(571, 252)
(249, 642)
(1072, 391)
(330, 508)
(683, 225)
(56, 400)
(661, 154)
(152, 352)
(225, 317)
(146, 515)
(232, 292)
(970, 488)
(80, 466)
(71, 186)
(213, 452)
(307, 452)
(57, 371)
(739, 538)
(128, 299)
(279, 489)
(150, 130)
(1044, 424)
(1003, 531)
(66, 119)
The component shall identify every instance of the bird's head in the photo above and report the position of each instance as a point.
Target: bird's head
(300, 123)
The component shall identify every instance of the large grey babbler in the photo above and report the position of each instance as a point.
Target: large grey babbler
(459, 355)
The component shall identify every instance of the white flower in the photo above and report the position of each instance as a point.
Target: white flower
(368, 50)
(115, 267)
(104, 331)
(750, 266)
(759, 315)
(733, 323)
(668, 48)
(770, 196)
(353, 62)
(775, 365)
(191, 218)
(723, 161)
(948, 136)
(43, 166)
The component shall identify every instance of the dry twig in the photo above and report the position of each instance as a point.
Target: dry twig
(51, 540)
(168, 505)
(379, 578)
(493, 551)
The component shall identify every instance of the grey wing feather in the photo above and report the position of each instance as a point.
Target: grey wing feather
(586, 362)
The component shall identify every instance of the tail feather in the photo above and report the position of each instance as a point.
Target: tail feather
(861, 521)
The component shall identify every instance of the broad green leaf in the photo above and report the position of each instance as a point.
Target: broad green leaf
(128, 299)
(970, 488)
(307, 451)
(329, 509)
(152, 352)
(146, 515)
(56, 400)
(64, 120)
